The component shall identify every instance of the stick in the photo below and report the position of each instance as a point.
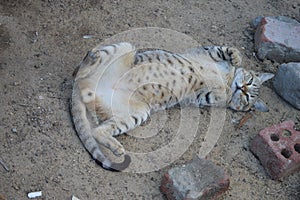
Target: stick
(243, 120)
(4, 166)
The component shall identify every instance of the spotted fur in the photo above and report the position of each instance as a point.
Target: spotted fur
(117, 87)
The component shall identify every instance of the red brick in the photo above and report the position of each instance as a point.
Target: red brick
(199, 179)
(278, 149)
(278, 38)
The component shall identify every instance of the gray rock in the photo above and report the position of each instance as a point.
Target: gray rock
(277, 38)
(287, 83)
(256, 21)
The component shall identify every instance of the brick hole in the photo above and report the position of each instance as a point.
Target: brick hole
(286, 153)
(286, 133)
(297, 147)
(274, 137)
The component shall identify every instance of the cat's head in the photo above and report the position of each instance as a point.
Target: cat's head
(245, 90)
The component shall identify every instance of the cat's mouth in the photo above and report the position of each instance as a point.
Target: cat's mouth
(243, 89)
(240, 99)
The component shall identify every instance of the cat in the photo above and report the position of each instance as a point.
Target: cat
(117, 87)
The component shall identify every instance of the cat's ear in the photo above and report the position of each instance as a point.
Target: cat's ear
(261, 106)
(265, 76)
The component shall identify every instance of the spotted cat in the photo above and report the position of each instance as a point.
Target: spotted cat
(117, 87)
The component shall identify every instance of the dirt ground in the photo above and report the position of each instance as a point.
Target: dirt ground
(42, 42)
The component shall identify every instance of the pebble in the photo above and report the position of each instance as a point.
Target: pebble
(32, 195)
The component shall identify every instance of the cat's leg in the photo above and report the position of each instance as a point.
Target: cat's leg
(104, 136)
(214, 97)
(88, 97)
(124, 120)
(221, 53)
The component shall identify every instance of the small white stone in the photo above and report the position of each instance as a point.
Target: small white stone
(75, 198)
(32, 195)
(87, 36)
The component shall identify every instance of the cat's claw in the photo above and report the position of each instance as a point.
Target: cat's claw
(119, 151)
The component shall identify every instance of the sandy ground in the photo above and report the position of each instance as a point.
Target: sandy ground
(42, 42)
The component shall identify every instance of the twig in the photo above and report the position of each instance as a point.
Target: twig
(4, 165)
(66, 189)
(244, 120)
(254, 55)
(211, 41)
(23, 105)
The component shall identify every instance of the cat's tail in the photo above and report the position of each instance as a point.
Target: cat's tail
(83, 129)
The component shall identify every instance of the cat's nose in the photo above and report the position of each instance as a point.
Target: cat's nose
(244, 88)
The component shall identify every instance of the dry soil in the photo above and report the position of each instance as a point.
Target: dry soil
(41, 43)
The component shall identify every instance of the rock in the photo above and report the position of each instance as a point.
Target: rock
(199, 179)
(75, 198)
(278, 149)
(278, 39)
(256, 21)
(287, 83)
(33, 195)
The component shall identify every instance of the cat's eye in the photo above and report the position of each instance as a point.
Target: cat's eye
(250, 81)
(247, 97)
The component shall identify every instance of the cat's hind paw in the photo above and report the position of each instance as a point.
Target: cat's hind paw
(118, 151)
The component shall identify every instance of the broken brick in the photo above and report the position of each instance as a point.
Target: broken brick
(278, 38)
(278, 149)
(199, 179)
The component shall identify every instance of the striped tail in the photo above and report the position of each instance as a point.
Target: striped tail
(83, 129)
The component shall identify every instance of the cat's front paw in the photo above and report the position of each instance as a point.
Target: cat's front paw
(235, 57)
